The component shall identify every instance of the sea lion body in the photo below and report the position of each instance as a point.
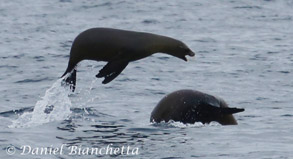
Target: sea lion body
(111, 43)
(190, 106)
(118, 48)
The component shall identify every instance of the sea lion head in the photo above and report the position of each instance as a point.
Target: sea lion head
(179, 49)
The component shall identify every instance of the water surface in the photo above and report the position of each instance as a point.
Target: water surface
(243, 54)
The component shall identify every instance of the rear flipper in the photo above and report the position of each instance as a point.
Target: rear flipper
(112, 70)
(71, 80)
(231, 110)
(221, 110)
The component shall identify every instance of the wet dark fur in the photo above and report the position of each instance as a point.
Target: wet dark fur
(190, 106)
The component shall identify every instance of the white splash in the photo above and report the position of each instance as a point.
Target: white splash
(54, 106)
(178, 124)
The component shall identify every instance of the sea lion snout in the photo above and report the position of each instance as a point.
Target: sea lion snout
(186, 52)
(191, 54)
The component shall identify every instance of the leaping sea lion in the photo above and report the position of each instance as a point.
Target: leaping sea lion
(190, 106)
(118, 48)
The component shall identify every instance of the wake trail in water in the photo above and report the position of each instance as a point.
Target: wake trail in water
(54, 106)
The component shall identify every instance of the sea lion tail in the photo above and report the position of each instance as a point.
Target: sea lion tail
(231, 110)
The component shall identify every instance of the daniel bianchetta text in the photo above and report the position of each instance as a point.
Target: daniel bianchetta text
(79, 150)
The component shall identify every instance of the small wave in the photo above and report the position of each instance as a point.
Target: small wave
(96, 6)
(248, 7)
(63, 1)
(7, 66)
(66, 45)
(33, 80)
(18, 112)
(39, 58)
(163, 58)
(150, 130)
(287, 115)
(88, 112)
(149, 21)
(273, 52)
(205, 40)
(284, 72)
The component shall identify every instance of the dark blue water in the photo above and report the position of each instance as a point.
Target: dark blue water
(244, 54)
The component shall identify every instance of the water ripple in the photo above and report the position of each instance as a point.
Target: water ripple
(34, 80)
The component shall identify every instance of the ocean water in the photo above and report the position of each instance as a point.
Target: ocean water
(244, 54)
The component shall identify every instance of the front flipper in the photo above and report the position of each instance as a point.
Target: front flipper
(112, 70)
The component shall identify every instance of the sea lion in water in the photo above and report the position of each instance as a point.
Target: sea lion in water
(190, 106)
(118, 48)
